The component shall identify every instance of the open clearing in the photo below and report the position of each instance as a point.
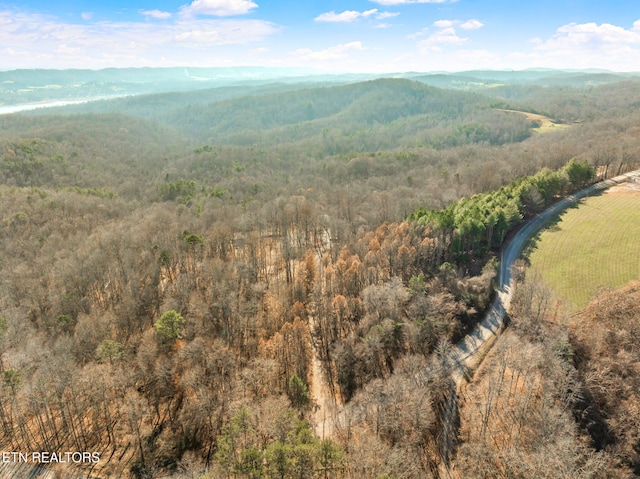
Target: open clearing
(545, 124)
(591, 247)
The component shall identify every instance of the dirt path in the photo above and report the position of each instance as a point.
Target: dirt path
(325, 405)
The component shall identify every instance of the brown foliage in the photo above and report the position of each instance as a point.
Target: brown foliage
(605, 337)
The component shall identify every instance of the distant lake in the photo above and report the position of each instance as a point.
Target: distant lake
(5, 110)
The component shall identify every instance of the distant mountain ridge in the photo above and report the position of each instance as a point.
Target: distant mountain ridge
(27, 86)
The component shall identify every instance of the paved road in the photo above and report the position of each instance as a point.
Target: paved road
(468, 351)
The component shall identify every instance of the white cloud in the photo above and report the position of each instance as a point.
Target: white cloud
(421, 33)
(337, 52)
(346, 16)
(589, 45)
(199, 36)
(384, 15)
(446, 36)
(65, 49)
(578, 35)
(406, 2)
(11, 52)
(443, 23)
(222, 32)
(39, 41)
(579, 46)
(86, 15)
(158, 14)
(349, 16)
(47, 42)
(472, 25)
(218, 8)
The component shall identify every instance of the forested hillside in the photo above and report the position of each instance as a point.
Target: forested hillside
(179, 277)
(371, 116)
(556, 392)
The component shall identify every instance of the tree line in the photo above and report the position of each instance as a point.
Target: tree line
(474, 225)
(157, 291)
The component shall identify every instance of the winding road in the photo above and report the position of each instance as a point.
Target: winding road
(469, 352)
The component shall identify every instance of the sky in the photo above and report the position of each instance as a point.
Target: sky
(367, 36)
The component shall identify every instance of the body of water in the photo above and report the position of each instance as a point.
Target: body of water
(8, 109)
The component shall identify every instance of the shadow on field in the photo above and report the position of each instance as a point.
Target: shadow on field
(532, 244)
(554, 225)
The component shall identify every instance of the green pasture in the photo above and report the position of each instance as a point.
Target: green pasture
(593, 246)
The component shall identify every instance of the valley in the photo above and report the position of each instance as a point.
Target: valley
(189, 277)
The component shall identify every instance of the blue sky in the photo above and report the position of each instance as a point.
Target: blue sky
(331, 36)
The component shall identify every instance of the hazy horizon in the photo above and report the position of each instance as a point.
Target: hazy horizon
(368, 36)
(291, 70)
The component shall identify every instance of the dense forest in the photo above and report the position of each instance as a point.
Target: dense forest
(188, 279)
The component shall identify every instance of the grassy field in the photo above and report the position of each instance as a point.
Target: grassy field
(545, 124)
(593, 246)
